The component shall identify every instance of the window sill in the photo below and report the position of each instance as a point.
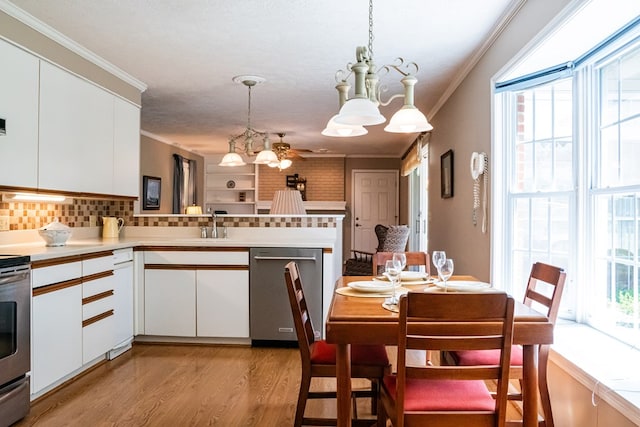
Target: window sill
(603, 364)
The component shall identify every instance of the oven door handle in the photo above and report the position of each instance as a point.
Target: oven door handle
(285, 258)
(12, 278)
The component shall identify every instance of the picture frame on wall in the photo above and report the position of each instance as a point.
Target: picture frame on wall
(446, 175)
(151, 186)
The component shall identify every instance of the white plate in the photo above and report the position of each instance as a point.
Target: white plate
(371, 286)
(464, 286)
(413, 275)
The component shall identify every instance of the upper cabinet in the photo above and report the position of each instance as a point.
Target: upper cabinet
(64, 133)
(19, 109)
(76, 133)
(126, 148)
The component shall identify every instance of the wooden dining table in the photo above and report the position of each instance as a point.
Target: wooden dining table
(363, 320)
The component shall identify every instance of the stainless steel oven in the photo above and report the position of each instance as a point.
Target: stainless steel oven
(15, 343)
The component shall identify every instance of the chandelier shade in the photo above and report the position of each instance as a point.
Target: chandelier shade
(247, 138)
(342, 130)
(363, 108)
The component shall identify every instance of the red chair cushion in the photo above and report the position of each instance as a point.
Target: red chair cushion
(486, 357)
(443, 395)
(370, 355)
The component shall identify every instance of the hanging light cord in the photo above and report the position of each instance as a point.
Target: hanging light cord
(370, 29)
(249, 110)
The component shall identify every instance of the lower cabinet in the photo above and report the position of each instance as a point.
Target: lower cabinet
(74, 315)
(196, 294)
(222, 303)
(170, 302)
(57, 333)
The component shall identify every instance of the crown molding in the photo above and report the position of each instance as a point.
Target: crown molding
(50, 32)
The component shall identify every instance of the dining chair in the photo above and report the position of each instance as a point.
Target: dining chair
(413, 259)
(544, 292)
(391, 238)
(438, 395)
(319, 357)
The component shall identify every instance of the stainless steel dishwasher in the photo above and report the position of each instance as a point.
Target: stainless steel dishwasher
(270, 312)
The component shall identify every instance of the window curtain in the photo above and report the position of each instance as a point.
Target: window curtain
(412, 158)
(184, 184)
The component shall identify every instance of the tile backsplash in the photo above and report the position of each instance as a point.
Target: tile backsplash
(33, 215)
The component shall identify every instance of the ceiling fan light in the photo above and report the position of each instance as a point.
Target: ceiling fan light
(343, 131)
(232, 159)
(359, 111)
(265, 157)
(408, 119)
(285, 163)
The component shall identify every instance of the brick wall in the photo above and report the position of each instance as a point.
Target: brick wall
(324, 175)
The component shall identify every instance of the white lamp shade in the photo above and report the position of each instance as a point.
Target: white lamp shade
(359, 111)
(287, 202)
(408, 119)
(265, 157)
(343, 131)
(232, 159)
(285, 163)
(194, 210)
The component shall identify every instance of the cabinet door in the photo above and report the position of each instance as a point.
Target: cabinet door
(19, 108)
(56, 335)
(223, 303)
(170, 302)
(76, 133)
(123, 304)
(126, 149)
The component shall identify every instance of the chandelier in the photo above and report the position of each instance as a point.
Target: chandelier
(362, 109)
(245, 142)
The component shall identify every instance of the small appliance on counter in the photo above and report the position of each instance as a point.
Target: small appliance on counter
(55, 233)
(111, 227)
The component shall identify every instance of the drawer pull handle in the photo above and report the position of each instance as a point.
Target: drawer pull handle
(97, 318)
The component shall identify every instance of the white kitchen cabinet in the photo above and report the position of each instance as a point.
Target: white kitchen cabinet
(98, 321)
(123, 298)
(19, 108)
(223, 303)
(76, 131)
(197, 293)
(170, 302)
(126, 148)
(56, 339)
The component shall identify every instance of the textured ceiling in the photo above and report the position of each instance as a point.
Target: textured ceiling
(187, 52)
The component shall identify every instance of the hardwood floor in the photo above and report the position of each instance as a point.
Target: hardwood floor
(175, 385)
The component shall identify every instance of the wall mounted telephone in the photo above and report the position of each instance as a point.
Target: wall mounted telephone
(479, 168)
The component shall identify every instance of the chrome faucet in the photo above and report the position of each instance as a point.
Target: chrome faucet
(214, 228)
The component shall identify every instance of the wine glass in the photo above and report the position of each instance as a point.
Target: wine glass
(401, 257)
(439, 257)
(392, 272)
(445, 271)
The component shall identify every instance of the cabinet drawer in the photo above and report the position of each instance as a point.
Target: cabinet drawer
(97, 265)
(97, 307)
(97, 338)
(197, 258)
(97, 284)
(55, 273)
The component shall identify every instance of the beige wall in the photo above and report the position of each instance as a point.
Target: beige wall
(464, 125)
(29, 39)
(324, 175)
(156, 159)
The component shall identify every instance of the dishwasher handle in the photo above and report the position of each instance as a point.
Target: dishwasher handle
(285, 258)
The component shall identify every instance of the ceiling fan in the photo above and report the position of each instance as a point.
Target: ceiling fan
(284, 151)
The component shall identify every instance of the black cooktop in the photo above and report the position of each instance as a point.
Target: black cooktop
(14, 260)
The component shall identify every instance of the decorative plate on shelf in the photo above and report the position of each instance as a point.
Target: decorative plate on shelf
(231, 184)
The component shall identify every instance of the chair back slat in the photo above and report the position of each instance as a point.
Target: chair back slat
(486, 372)
(419, 259)
(549, 276)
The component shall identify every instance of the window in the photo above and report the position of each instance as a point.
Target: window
(570, 184)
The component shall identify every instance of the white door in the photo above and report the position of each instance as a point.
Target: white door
(375, 201)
